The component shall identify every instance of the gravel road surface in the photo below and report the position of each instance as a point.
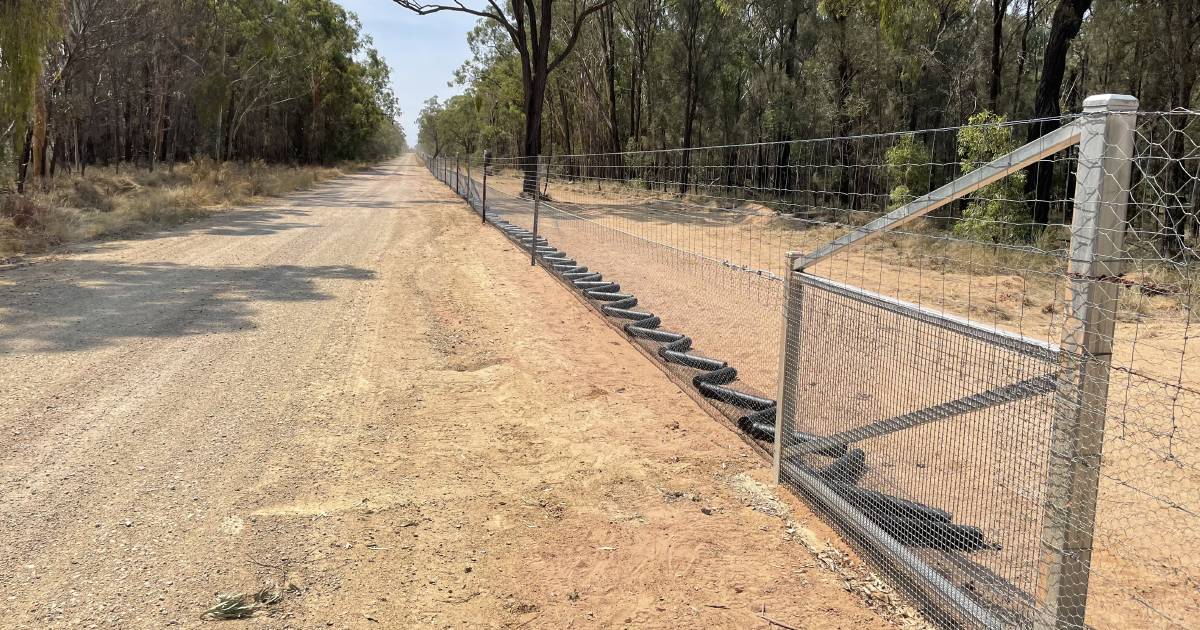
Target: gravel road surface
(362, 398)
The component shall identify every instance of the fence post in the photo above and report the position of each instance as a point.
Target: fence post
(483, 203)
(1077, 433)
(785, 405)
(457, 176)
(470, 184)
(537, 197)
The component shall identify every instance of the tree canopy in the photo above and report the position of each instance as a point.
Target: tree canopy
(653, 74)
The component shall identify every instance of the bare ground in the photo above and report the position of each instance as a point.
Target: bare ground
(685, 260)
(362, 393)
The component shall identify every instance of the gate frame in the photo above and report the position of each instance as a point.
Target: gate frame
(1104, 134)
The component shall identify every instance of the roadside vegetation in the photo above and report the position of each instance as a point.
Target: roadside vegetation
(118, 116)
(109, 203)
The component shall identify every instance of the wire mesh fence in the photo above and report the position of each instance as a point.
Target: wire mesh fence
(984, 325)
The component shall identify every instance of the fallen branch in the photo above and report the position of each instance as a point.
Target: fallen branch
(777, 623)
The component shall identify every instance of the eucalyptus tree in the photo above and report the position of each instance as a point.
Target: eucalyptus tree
(144, 82)
(26, 29)
(531, 26)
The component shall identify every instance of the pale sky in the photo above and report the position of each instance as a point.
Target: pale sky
(423, 51)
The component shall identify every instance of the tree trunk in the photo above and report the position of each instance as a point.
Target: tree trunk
(160, 117)
(782, 168)
(844, 78)
(689, 126)
(75, 146)
(535, 101)
(692, 87)
(315, 126)
(567, 140)
(634, 132)
(23, 163)
(57, 153)
(1176, 33)
(219, 144)
(608, 29)
(41, 121)
(999, 9)
(1016, 105)
(1064, 26)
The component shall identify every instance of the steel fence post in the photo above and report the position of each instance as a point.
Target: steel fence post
(785, 402)
(537, 197)
(483, 203)
(1077, 432)
(470, 184)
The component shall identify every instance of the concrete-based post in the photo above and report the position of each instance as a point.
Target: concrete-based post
(1077, 435)
(785, 401)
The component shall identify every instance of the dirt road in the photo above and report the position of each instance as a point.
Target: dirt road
(361, 393)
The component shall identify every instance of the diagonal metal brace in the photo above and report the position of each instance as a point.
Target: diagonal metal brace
(996, 396)
(998, 168)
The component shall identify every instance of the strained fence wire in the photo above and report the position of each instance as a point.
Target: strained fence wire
(930, 381)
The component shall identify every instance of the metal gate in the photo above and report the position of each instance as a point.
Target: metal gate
(962, 458)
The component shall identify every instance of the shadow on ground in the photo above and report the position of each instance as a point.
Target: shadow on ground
(77, 304)
(269, 216)
(254, 222)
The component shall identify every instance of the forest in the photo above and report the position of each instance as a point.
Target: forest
(654, 74)
(157, 82)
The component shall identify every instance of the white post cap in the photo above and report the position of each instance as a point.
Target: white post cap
(1110, 103)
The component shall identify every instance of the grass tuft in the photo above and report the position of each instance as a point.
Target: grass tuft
(232, 606)
(246, 605)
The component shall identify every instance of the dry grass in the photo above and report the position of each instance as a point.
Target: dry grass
(111, 202)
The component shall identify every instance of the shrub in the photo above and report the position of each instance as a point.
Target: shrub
(87, 195)
(907, 166)
(26, 225)
(996, 212)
